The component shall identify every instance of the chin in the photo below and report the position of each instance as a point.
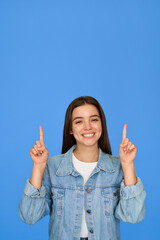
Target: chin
(90, 144)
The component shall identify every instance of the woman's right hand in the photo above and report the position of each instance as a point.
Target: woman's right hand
(39, 153)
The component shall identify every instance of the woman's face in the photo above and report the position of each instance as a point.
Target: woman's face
(86, 125)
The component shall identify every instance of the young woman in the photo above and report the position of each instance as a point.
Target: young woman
(85, 190)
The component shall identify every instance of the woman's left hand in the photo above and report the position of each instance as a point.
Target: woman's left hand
(127, 150)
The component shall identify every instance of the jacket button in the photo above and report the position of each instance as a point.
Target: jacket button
(88, 190)
(88, 211)
(91, 231)
(115, 194)
(52, 194)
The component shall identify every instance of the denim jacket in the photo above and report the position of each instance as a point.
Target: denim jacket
(105, 198)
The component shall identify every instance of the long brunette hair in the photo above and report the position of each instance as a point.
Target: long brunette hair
(69, 140)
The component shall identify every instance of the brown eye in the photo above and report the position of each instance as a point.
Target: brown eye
(78, 122)
(95, 120)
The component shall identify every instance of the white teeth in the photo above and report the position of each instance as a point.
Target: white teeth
(88, 135)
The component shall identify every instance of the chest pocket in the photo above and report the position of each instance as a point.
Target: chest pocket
(57, 195)
(110, 197)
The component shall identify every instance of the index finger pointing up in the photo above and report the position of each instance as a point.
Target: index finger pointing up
(41, 135)
(124, 135)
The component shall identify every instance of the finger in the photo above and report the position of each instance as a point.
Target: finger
(41, 135)
(34, 152)
(122, 145)
(125, 142)
(132, 147)
(38, 144)
(129, 145)
(35, 148)
(42, 148)
(124, 134)
(38, 151)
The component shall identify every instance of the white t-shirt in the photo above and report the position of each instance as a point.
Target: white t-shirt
(85, 169)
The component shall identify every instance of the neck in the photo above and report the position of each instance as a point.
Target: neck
(87, 154)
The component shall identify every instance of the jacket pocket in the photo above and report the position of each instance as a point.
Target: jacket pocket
(110, 197)
(57, 195)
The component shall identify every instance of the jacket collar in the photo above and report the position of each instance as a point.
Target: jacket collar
(66, 166)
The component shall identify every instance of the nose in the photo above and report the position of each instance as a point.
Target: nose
(87, 125)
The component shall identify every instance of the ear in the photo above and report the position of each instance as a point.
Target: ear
(71, 132)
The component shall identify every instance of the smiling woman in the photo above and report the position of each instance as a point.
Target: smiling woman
(85, 186)
(86, 131)
(82, 111)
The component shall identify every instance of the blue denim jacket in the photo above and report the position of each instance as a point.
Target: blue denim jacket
(63, 195)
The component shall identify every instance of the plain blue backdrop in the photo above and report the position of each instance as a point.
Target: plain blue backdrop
(54, 51)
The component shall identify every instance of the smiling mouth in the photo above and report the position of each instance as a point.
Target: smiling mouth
(88, 135)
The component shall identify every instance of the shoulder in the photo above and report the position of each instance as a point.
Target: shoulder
(55, 159)
(114, 161)
(109, 162)
(53, 164)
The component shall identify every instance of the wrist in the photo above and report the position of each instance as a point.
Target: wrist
(129, 174)
(39, 167)
(37, 175)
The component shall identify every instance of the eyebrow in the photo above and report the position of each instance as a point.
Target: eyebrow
(82, 117)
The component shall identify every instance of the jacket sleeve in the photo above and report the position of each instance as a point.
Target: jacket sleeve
(36, 203)
(131, 208)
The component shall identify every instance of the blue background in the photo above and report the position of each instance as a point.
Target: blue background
(54, 51)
